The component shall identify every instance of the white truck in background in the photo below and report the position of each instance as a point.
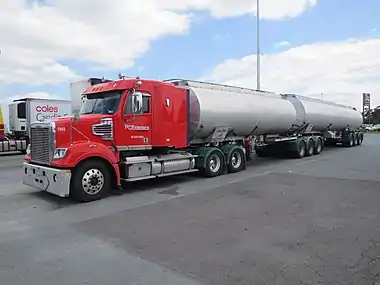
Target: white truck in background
(22, 112)
(77, 88)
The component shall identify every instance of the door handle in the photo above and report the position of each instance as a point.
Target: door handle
(127, 120)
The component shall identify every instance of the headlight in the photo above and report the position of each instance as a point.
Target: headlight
(28, 149)
(52, 125)
(60, 153)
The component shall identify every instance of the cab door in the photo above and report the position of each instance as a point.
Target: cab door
(137, 120)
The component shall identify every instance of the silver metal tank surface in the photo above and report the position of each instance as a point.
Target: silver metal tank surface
(213, 105)
(323, 114)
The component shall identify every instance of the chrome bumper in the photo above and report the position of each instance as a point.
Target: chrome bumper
(52, 180)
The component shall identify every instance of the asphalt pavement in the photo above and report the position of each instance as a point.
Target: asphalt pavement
(282, 221)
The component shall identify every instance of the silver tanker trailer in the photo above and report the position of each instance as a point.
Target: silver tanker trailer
(280, 123)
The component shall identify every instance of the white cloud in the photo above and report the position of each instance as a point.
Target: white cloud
(5, 102)
(282, 44)
(38, 38)
(342, 71)
(269, 9)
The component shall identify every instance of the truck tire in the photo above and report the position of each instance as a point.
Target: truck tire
(318, 146)
(301, 149)
(214, 164)
(350, 141)
(310, 148)
(236, 162)
(360, 139)
(91, 181)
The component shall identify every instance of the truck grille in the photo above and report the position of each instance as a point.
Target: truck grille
(104, 129)
(41, 143)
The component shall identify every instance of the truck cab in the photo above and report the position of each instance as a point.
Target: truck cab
(115, 127)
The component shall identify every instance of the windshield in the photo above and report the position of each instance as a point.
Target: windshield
(100, 103)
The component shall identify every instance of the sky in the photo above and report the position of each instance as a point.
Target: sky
(326, 49)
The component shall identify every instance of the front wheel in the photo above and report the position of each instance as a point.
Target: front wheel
(91, 181)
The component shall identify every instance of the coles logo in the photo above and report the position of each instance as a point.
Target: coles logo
(47, 108)
(47, 112)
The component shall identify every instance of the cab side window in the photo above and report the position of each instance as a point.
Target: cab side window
(128, 106)
(131, 107)
(146, 104)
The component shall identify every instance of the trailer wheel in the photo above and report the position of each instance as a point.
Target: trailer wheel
(350, 141)
(357, 137)
(318, 146)
(310, 148)
(236, 162)
(214, 164)
(91, 181)
(360, 139)
(301, 149)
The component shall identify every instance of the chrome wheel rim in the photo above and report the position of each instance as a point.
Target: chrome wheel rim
(236, 160)
(214, 163)
(92, 181)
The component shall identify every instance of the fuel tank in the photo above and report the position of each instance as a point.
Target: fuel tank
(324, 114)
(243, 110)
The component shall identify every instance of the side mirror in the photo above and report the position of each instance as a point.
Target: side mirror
(137, 102)
(76, 117)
